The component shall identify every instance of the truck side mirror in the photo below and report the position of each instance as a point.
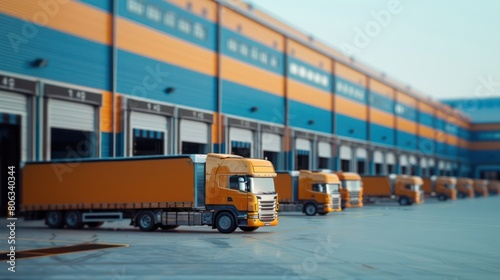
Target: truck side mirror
(242, 184)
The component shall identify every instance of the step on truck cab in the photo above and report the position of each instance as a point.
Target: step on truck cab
(217, 190)
(465, 187)
(442, 187)
(406, 189)
(351, 189)
(480, 187)
(307, 191)
(494, 187)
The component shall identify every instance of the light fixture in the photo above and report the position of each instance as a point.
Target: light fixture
(310, 122)
(351, 130)
(384, 137)
(254, 109)
(170, 90)
(40, 63)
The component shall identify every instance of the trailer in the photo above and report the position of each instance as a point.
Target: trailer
(442, 187)
(216, 190)
(404, 188)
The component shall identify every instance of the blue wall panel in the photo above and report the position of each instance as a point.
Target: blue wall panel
(381, 102)
(350, 90)
(70, 59)
(381, 134)
(406, 141)
(147, 78)
(300, 114)
(106, 5)
(238, 99)
(426, 119)
(351, 127)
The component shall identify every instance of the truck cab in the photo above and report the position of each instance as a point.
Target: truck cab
(408, 188)
(312, 192)
(494, 187)
(351, 190)
(464, 188)
(442, 187)
(480, 187)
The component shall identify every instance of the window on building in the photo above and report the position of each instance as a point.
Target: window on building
(169, 19)
(263, 57)
(273, 61)
(232, 45)
(244, 49)
(184, 26)
(199, 31)
(153, 13)
(254, 53)
(135, 6)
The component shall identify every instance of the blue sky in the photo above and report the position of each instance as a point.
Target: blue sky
(444, 49)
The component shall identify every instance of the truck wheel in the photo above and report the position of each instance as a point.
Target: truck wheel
(442, 197)
(146, 221)
(404, 201)
(225, 223)
(73, 220)
(461, 195)
(168, 227)
(310, 209)
(54, 219)
(249, 228)
(323, 213)
(94, 224)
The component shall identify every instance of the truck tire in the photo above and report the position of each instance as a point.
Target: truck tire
(249, 228)
(94, 224)
(442, 197)
(146, 221)
(54, 219)
(73, 220)
(323, 213)
(168, 227)
(310, 209)
(403, 201)
(224, 222)
(461, 195)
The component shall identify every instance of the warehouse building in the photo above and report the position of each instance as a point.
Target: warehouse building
(88, 78)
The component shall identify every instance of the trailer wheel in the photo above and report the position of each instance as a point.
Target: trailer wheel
(146, 221)
(73, 220)
(310, 209)
(54, 219)
(94, 224)
(249, 228)
(404, 201)
(225, 223)
(168, 227)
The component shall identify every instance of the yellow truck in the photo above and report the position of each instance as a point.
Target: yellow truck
(480, 187)
(307, 191)
(351, 190)
(217, 190)
(442, 187)
(406, 189)
(464, 187)
(494, 187)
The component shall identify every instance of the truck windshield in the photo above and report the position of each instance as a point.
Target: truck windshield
(261, 185)
(333, 188)
(352, 186)
(450, 186)
(467, 186)
(415, 188)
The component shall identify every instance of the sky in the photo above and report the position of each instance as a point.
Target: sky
(441, 48)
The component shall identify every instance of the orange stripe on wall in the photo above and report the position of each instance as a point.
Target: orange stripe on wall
(307, 55)
(350, 74)
(198, 7)
(156, 45)
(106, 112)
(279, 24)
(251, 29)
(485, 146)
(309, 95)
(426, 131)
(73, 18)
(424, 107)
(381, 118)
(350, 108)
(251, 76)
(406, 125)
(406, 99)
(381, 88)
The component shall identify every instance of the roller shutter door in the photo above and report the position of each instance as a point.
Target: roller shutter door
(390, 158)
(378, 157)
(413, 160)
(345, 152)
(146, 121)
(71, 115)
(302, 145)
(241, 135)
(271, 142)
(324, 149)
(423, 162)
(403, 160)
(192, 131)
(361, 153)
(17, 104)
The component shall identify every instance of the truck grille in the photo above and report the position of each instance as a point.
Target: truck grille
(354, 198)
(267, 210)
(335, 202)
